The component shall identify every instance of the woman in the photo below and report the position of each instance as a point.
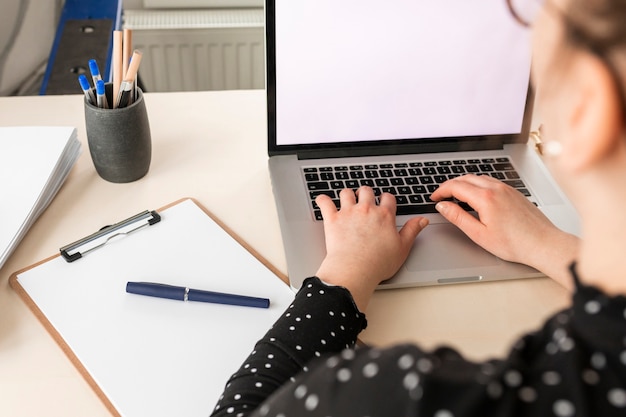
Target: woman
(575, 365)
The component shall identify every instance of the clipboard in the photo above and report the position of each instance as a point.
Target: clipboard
(151, 356)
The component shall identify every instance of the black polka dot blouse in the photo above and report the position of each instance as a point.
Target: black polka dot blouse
(307, 365)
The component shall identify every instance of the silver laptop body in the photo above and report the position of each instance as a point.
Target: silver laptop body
(353, 83)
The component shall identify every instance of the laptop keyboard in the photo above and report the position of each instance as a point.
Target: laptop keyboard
(411, 183)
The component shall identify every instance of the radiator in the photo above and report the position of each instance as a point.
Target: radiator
(191, 50)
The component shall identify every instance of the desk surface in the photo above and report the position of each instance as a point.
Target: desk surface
(196, 139)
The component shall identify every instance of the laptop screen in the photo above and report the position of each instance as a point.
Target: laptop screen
(359, 72)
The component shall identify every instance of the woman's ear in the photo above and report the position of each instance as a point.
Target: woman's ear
(592, 114)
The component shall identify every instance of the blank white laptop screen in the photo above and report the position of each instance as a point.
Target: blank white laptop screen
(396, 70)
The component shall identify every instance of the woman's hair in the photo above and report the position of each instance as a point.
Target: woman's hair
(600, 27)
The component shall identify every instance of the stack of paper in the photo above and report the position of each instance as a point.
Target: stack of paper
(34, 162)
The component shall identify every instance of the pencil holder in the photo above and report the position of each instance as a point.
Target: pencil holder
(119, 139)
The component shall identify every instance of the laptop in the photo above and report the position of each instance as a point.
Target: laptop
(400, 95)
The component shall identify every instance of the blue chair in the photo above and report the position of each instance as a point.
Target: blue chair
(84, 32)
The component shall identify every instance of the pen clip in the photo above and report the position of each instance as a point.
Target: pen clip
(78, 249)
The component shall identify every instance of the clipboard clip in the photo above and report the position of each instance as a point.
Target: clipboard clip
(78, 249)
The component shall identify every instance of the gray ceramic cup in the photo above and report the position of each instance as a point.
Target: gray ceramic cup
(119, 139)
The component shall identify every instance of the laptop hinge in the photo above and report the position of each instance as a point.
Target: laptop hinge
(389, 149)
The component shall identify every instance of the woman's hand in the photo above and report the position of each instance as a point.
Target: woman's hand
(508, 225)
(363, 245)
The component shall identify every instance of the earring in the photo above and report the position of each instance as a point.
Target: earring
(552, 148)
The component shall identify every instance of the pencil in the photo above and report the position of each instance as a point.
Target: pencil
(131, 74)
(133, 68)
(123, 99)
(127, 46)
(117, 63)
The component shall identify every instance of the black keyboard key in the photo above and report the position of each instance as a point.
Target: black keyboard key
(400, 172)
(498, 175)
(411, 180)
(386, 166)
(427, 180)
(416, 199)
(307, 170)
(444, 170)
(512, 175)
(430, 164)
(502, 159)
(329, 193)
(404, 190)
(382, 182)
(503, 167)
(327, 176)
(326, 169)
(369, 183)
(472, 169)
(386, 173)
(313, 186)
(341, 175)
(515, 183)
(371, 166)
(341, 168)
(356, 168)
(357, 175)
(390, 190)
(311, 177)
(337, 185)
(485, 168)
(429, 171)
(354, 184)
(415, 172)
(318, 215)
(401, 165)
(458, 169)
(465, 206)
(396, 181)
(432, 187)
(401, 200)
(371, 174)
(440, 179)
(416, 209)
(418, 189)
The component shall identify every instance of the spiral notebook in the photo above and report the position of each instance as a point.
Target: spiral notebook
(148, 356)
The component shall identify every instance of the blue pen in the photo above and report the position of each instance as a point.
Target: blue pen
(95, 72)
(101, 95)
(84, 84)
(172, 292)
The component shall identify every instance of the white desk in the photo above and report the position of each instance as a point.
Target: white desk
(197, 137)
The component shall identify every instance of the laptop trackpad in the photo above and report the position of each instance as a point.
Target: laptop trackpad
(444, 246)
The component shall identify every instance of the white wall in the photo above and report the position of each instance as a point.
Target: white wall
(27, 29)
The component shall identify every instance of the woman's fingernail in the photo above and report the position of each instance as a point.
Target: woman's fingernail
(423, 222)
(440, 207)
